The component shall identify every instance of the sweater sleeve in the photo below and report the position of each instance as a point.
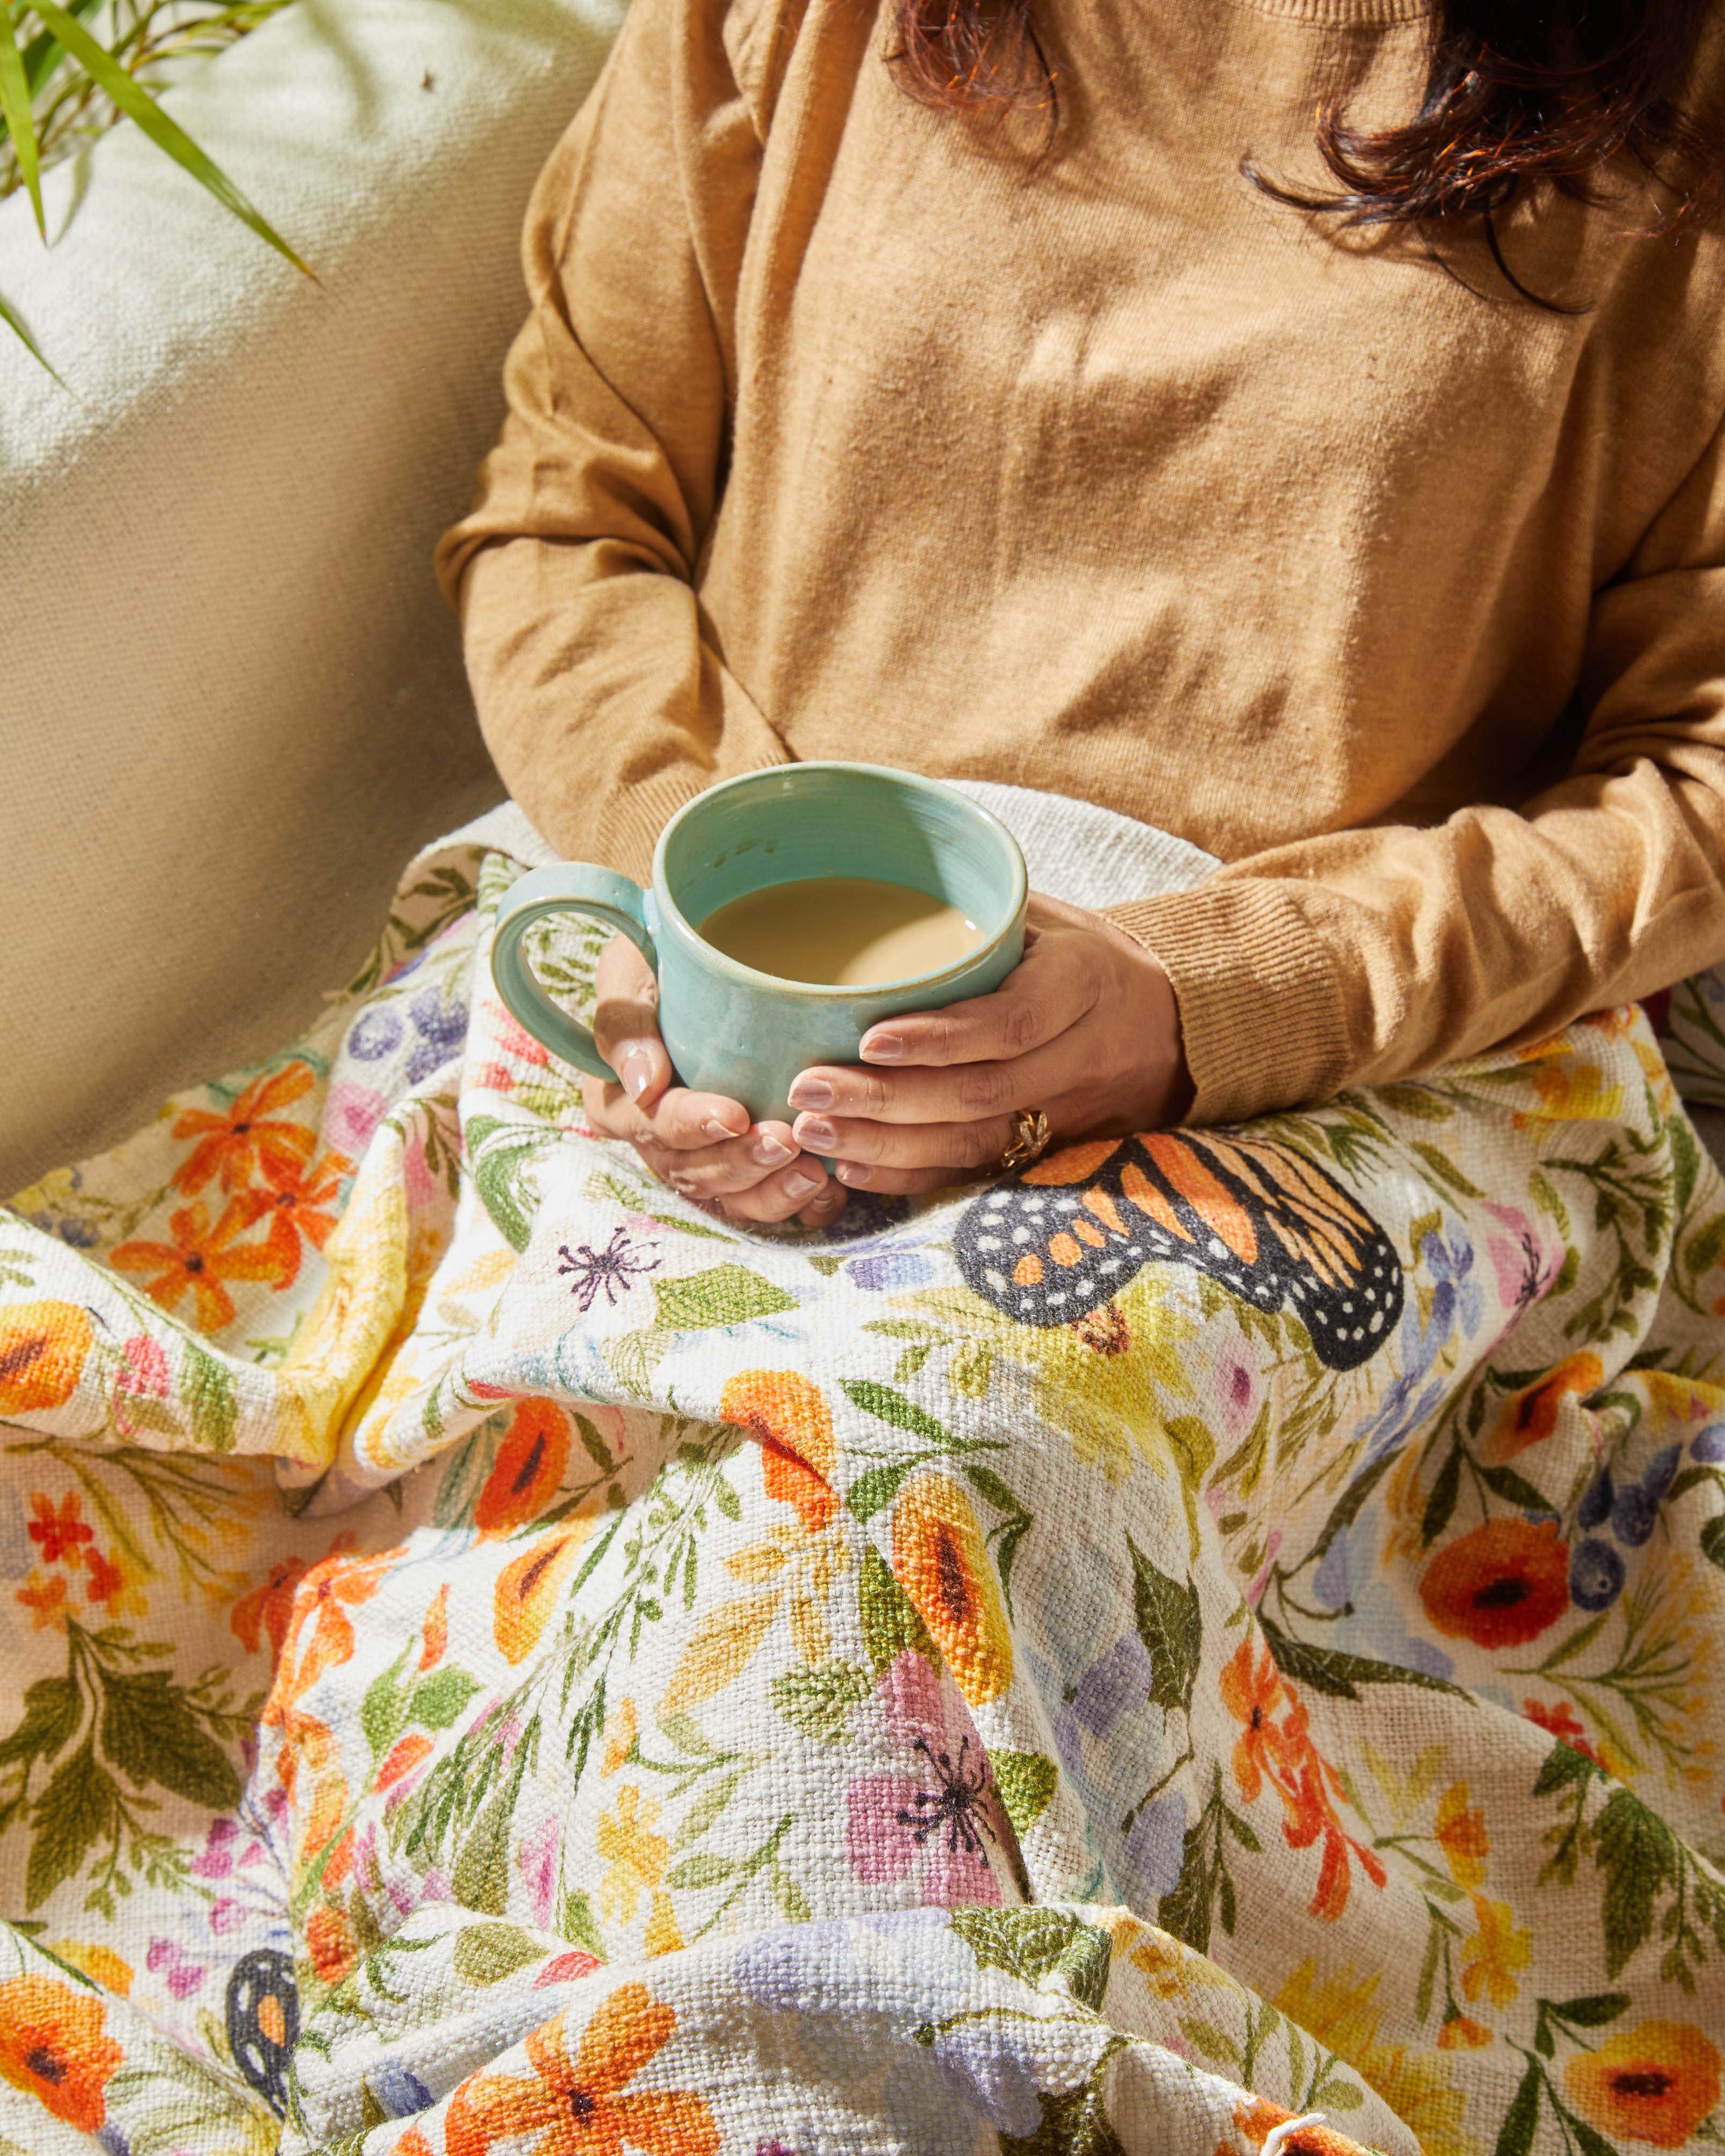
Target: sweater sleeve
(1359, 956)
(601, 697)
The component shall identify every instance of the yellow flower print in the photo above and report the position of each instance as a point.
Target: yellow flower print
(100, 1963)
(1340, 2010)
(1462, 1837)
(1494, 1953)
(806, 1562)
(636, 1856)
(1570, 1093)
(664, 1934)
(1462, 2032)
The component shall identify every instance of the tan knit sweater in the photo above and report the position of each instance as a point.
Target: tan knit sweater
(844, 428)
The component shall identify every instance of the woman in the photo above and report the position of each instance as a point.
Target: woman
(1039, 399)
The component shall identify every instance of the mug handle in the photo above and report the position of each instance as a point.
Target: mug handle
(569, 887)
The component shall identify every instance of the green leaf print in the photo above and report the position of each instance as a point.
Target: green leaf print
(485, 1953)
(889, 1406)
(889, 1621)
(818, 1702)
(79, 1809)
(1328, 1669)
(481, 1876)
(1024, 1781)
(150, 1732)
(208, 1388)
(1441, 1502)
(380, 1712)
(1516, 2136)
(1637, 1852)
(1073, 2124)
(437, 1701)
(1712, 1541)
(507, 1190)
(725, 1295)
(871, 1492)
(1033, 1943)
(52, 1708)
(1170, 1623)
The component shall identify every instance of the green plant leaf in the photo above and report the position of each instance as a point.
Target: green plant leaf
(1023, 1782)
(15, 110)
(1441, 1503)
(507, 1191)
(151, 1734)
(1594, 2011)
(79, 1808)
(1515, 2136)
(723, 1296)
(207, 1387)
(140, 107)
(1637, 1853)
(380, 1712)
(576, 1923)
(702, 1870)
(877, 1487)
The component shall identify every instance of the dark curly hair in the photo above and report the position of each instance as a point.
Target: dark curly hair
(1517, 91)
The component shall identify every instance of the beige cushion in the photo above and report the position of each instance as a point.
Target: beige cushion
(231, 701)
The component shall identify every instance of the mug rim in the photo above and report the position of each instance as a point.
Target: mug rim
(776, 982)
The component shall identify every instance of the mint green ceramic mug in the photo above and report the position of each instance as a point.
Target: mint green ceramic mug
(729, 1028)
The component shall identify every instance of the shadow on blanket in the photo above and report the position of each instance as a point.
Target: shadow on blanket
(1214, 1631)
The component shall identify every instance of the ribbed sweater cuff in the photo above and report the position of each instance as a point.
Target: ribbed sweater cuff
(1263, 1012)
(634, 820)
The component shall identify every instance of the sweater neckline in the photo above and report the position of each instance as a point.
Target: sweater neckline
(1341, 14)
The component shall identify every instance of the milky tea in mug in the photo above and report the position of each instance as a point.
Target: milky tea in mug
(824, 875)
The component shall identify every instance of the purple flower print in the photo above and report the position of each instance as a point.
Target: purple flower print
(374, 1034)
(1456, 1297)
(1239, 1391)
(215, 1860)
(1595, 1574)
(940, 1813)
(442, 1028)
(991, 2068)
(1708, 1445)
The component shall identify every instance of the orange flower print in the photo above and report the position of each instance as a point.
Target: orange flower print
(1257, 2118)
(320, 1606)
(1462, 2033)
(112, 1588)
(529, 1468)
(249, 1136)
(45, 1599)
(942, 1563)
(1500, 1585)
(43, 1346)
(331, 1943)
(267, 1609)
(1283, 1754)
(1656, 2083)
(301, 1201)
(413, 1748)
(53, 2046)
(787, 1416)
(578, 2107)
(60, 1535)
(1530, 1417)
(528, 1589)
(200, 1258)
(434, 1632)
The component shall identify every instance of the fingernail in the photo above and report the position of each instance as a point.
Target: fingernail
(882, 1048)
(853, 1173)
(810, 1132)
(810, 1093)
(770, 1151)
(718, 1132)
(802, 1184)
(637, 1072)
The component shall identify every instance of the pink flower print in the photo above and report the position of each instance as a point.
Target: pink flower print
(1525, 1258)
(566, 1969)
(351, 1113)
(215, 1860)
(421, 1185)
(941, 1813)
(182, 1976)
(512, 1039)
(538, 1857)
(144, 1375)
(1240, 1391)
(226, 1916)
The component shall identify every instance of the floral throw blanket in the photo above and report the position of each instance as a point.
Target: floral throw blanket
(1213, 1645)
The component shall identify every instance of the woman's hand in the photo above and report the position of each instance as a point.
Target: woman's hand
(701, 1144)
(1086, 1028)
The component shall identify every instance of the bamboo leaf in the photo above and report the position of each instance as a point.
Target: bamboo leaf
(15, 109)
(140, 107)
(15, 322)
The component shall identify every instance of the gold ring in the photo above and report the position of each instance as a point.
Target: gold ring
(1029, 1140)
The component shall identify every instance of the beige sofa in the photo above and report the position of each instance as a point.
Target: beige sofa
(231, 700)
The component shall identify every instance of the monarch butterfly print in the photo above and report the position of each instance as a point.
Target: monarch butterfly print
(1064, 1237)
